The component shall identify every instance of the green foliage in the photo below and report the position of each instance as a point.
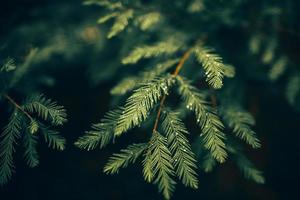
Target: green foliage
(207, 119)
(120, 23)
(23, 124)
(129, 83)
(161, 48)
(102, 133)
(240, 122)
(147, 20)
(31, 155)
(54, 140)
(7, 146)
(124, 158)
(46, 109)
(278, 68)
(140, 103)
(168, 154)
(184, 158)
(9, 65)
(158, 167)
(212, 64)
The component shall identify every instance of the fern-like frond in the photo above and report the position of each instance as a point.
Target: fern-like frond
(121, 23)
(8, 139)
(184, 158)
(158, 162)
(101, 133)
(33, 127)
(53, 139)
(129, 83)
(46, 109)
(124, 158)
(161, 48)
(240, 122)
(140, 103)
(30, 154)
(212, 64)
(210, 123)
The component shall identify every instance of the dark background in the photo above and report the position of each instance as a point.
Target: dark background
(76, 174)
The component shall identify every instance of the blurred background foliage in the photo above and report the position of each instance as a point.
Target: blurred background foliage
(68, 58)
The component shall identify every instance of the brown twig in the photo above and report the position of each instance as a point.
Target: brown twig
(17, 106)
(183, 59)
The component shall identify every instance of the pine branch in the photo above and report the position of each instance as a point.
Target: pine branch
(102, 133)
(46, 109)
(17, 106)
(240, 122)
(207, 118)
(8, 139)
(53, 139)
(184, 158)
(161, 48)
(129, 83)
(30, 154)
(140, 103)
(125, 85)
(212, 64)
(178, 68)
(158, 163)
(33, 127)
(123, 159)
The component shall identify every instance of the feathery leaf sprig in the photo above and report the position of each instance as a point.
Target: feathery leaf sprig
(184, 158)
(240, 122)
(207, 118)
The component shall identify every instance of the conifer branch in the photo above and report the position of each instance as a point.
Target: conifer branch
(8, 140)
(184, 158)
(101, 133)
(158, 165)
(124, 158)
(140, 103)
(13, 102)
(207, 118)
(30, 154)
(46, 109)
(174, 74)
(240, 122)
